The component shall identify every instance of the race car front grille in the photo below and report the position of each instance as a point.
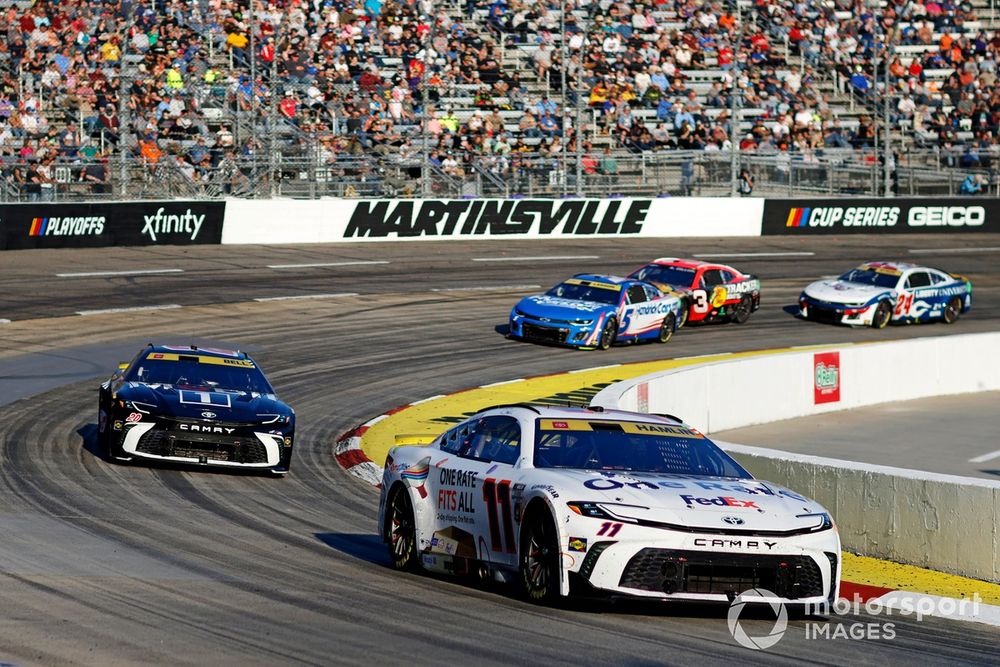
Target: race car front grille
(820, 314)
(547, 334)
(673, 571)
(209, 447)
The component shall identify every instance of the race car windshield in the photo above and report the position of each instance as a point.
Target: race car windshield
(867, 277)
(189, 371)
(637, 447)
(676, 276)
(586, 292)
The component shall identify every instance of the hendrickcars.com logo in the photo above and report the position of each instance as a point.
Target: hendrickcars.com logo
(84, 226)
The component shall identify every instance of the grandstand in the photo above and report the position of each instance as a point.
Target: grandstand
(216, 98)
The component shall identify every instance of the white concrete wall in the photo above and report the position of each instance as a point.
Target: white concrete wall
(940, 521)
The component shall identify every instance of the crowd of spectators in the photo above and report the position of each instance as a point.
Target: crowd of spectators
(497, 82)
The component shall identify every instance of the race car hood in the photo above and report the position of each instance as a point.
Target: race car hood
(564, 309)
(708, 503)
(203, 402)
(841, 291)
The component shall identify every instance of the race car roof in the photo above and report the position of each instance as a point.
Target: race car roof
(194, 349)
(602, 278)
(594, 413)
(686, 263)
(888, 266)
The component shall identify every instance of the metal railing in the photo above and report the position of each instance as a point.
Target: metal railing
(311, 174)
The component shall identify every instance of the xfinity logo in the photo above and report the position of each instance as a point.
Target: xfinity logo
(205, 429)
(187, 223)
(946, 216)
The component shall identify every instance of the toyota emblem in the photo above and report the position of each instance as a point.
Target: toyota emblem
(211, 415)
(733, 520)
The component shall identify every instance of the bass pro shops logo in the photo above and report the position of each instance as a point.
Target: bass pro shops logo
(826, 377)
(187, 223)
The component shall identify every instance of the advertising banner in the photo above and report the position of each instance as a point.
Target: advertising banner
(799, 217)
(343, 220)
(826, 377)
(91, 225)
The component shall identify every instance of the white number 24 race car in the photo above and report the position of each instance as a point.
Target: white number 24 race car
(601, 503)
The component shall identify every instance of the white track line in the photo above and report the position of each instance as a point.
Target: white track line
(934, 251)
(532, 259)
(592, 368)
(3, 321)
(299, 297)
(484, 288)
(134, 309)
(497, 384)
(321, 264)
(986, 457)
(754, 254)
(429, 398)
(91, 274)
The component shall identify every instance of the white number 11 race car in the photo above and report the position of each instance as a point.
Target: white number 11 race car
(601, 503)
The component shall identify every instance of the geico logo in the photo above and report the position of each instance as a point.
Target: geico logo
(205, 429)
(855, 216)
(722, 501)
(950, 216)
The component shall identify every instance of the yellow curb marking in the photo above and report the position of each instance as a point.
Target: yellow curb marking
(886, 574)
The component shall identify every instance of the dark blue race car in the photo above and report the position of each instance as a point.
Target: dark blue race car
(195, 406)
(591, 311)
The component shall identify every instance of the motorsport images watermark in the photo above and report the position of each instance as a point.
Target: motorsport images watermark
(825, 625)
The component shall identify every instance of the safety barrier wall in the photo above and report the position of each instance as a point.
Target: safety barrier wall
(284, 221)
(939, 521)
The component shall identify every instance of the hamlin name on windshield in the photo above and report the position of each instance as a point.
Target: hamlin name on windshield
(527, 217)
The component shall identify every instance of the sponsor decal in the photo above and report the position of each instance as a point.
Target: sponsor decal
(661, 307)
(733, 543)
(118, 425)
(67, 226)
(578, 544)
(462, 218)
(191, 397)
(721, 501)
(826, 377)
(866, 216)
(416, 475)
(460, 499)
(134, 417)
(198, 428)
(719, 296)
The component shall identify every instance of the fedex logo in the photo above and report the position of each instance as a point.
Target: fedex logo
(722, 501)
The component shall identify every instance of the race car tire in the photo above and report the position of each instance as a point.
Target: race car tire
(538, 571)
(401, 531)
(666, 329)
(682, 314)
(741, 313)
(952, 311)
(103, 434)
(608, 334)
(883, 313)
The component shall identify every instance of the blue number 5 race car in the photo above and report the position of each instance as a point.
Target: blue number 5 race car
(595, 311)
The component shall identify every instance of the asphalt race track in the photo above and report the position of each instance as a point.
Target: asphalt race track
(109, 564)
